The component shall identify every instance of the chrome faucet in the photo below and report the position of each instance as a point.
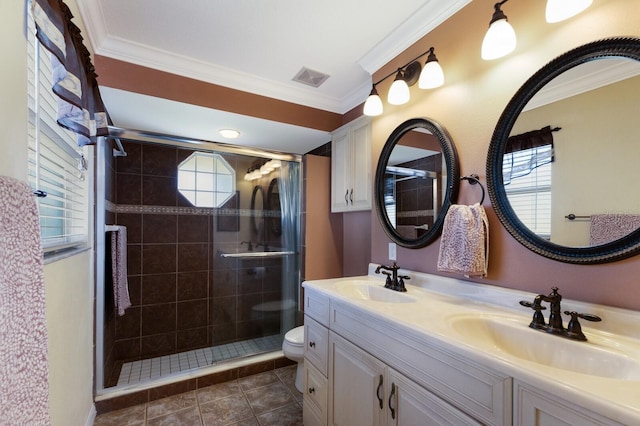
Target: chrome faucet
(394, 281)
(554, 326)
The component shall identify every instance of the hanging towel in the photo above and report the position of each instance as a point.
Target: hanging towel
(464, 245)
(610, 227)
(119, 267)
(24, 367)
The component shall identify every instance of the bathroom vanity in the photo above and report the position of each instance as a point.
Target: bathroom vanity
(454, 352)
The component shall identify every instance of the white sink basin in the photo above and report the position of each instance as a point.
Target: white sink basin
(512, 336)
(366, 290)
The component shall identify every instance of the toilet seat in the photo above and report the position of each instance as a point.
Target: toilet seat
(295, 336)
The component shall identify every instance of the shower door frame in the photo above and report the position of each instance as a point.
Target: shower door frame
(103, 149)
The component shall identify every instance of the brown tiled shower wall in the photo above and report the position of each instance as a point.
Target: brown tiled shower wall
(184, 295)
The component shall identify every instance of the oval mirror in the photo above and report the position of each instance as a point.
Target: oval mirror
(273, 206)
(561, 167)
(417, 179)
(257, 207)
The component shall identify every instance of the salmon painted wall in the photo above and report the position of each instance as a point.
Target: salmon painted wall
(469, 105)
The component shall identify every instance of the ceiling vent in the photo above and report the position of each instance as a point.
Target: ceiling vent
(310, 77)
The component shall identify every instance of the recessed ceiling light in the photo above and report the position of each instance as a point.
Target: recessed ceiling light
(229, 133)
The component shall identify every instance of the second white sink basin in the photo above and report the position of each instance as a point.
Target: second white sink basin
(367, 290)
(515, 338)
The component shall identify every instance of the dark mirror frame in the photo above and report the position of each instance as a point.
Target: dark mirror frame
(624, 247)
(275, 224)
(254, 217)
(453, 179)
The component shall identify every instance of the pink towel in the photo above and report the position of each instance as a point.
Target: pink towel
(464, 245)
(24, 369)
(610, 227)
(119, 268)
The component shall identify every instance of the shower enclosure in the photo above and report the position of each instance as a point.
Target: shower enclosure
(212, 255)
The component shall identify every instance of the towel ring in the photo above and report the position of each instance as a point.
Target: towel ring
(475, 179)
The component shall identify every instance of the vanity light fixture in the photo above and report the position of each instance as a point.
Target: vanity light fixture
(399, 92)
(432, 75)
(500, 39)
(429, 77)
(229, 133)
(559, 10)
(373, 104)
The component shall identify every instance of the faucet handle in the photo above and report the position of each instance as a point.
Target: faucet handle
(534, 306)
(537, 321)
(588, 317)
(574, 330)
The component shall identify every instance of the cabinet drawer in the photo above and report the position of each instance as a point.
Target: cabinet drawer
(316, 306)
(315, 393)
(316, 346)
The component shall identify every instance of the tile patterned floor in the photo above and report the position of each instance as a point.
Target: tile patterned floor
(266, 399)
(154, 368)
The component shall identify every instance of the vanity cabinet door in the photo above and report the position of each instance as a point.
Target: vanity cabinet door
(410, 404)
(356, 385)
(533, 407)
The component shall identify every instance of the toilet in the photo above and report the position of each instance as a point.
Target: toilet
(293, 348)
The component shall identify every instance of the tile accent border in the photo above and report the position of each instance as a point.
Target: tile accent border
(200, 211)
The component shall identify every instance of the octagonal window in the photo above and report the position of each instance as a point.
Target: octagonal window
(206, 179)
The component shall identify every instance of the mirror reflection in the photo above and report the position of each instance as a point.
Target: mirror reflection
(273, 205)
(257, 207)
(415, 182)
(569, 165)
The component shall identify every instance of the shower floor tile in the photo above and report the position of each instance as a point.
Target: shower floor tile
(155, 368)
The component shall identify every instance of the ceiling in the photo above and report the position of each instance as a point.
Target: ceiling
(256, 47)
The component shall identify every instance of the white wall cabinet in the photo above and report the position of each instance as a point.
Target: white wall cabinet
(351, 180)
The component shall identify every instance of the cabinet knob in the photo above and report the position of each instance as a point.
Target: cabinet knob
(312, 390)
(312, 344)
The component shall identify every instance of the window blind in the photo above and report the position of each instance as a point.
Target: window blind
(55, 164)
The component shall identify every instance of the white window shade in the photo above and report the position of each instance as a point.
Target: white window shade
(56, 166)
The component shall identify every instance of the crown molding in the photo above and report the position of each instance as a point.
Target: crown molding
(428, 17)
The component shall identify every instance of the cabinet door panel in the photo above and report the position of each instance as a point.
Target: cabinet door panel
(537, 408)
(355, 380)
(361, 139)
(340, 171)
(410, 404)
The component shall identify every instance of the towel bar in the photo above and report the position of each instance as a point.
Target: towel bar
(475, 179)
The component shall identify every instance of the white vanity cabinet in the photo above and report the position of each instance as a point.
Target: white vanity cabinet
(367, 392)
(351, 180)
(368, 369)
(534, 407)
(316, 350)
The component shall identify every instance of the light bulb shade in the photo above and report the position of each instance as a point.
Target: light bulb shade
(499, 41)
(559, 10)
(431, 75)
(373, 104)
(399, 91)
